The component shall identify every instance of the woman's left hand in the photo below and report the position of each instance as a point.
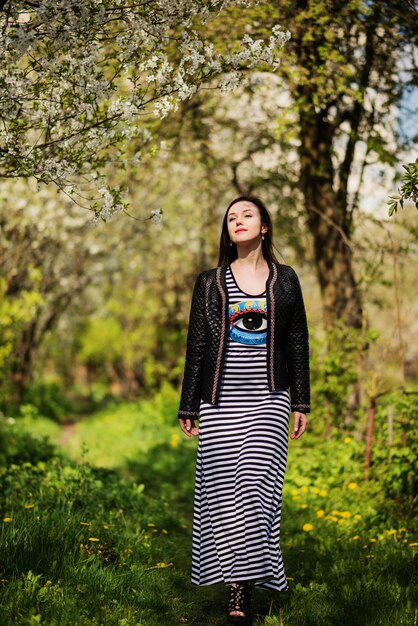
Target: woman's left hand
(300, 425)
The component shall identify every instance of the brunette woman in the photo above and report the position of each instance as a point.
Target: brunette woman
(246, 370)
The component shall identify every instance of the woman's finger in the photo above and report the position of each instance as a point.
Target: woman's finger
(188, 427)
(183, 426)
(300, 426)
(193, 428)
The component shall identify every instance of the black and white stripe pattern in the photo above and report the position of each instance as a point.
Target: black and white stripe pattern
(241, 462)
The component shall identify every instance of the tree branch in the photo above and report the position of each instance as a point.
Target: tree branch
(357, 111)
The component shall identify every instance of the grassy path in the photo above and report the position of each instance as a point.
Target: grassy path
(104, 537)
(167, 472)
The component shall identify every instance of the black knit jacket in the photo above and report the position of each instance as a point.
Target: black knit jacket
(287, 339)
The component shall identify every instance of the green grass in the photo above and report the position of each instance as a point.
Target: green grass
(100, 532)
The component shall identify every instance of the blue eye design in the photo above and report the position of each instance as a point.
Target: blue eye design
(248, 321)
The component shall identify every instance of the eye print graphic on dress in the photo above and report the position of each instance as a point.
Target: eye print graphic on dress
(248, 321)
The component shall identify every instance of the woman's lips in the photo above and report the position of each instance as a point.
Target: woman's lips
(241, 230)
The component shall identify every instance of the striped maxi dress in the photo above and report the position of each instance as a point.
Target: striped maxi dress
(241, 460)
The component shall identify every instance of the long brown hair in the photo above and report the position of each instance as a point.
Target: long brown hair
(228, 253)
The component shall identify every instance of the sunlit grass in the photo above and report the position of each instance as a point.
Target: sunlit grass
(109, 541)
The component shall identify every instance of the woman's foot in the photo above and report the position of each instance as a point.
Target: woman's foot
(239, 603)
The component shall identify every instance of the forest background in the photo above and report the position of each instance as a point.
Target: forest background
(126, 130)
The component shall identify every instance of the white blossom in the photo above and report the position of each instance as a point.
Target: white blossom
(76, 79)
(156, 216)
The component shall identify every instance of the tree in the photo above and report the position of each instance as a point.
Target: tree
(48, 257)
(80, 82)
(345, 90)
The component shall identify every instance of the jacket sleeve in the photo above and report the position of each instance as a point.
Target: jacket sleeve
(297, 349)
(195, 354)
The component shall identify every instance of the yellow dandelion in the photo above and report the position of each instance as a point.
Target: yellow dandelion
(405, 540)
(106, 526)
(335, 512)
(165, 531)
(154, 530)
(161, 564)
(402, 530)
(331, 518)
(380, 537)
(295, 497)
(320, 513)
(85, 523)
(29, 506)
(323, 492)
(315, 490)
(372, 540)
(357, 516)
(150, 524)
(303, 506)
(174, 441)
(356, 537)
(345, 514)
(391, 532)
(289, 578)
(304, 489)
(413, 545)
(7, 519)
(352, 486)
(341, 521)
(347, 439)
(94, 539)
(294, 492)
(308, 527)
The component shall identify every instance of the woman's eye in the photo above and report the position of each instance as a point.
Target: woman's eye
(232, 218)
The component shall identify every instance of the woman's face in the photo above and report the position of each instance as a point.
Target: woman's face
(244, 223)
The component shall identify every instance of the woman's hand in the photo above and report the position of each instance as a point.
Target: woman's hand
(188, 427)
(300, 425)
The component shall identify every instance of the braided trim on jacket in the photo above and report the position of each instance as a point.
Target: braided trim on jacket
(272, 316)
(195, 413)
(222, 338)
(299, 407)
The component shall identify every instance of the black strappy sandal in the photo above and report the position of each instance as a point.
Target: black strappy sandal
(240, 600)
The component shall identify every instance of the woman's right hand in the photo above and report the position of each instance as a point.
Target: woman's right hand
(188, 427)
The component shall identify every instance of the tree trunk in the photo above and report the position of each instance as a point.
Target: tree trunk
(333, 254)
(22, 366)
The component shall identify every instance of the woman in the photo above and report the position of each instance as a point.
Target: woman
(246, 369)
